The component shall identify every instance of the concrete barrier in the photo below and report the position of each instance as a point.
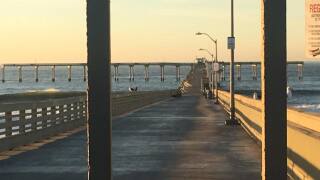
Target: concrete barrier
(29, 117)
(303, 134)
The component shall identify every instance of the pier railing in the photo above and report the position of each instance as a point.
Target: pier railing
(303, 134)
(30, 117)
(23, 122)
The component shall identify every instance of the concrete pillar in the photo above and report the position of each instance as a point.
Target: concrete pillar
(99, 89)
(274, 84)
(178, 72)
(53, 73)
(254, 72)
(130, 73)
(3, 69)
(69, 73)
(238, 68)
(84, 73)
(118, 73)
(223, 73)
(20, 73)
(36, 68)
(115, 73)
(146, 72)
(300, 71)
(162, 73)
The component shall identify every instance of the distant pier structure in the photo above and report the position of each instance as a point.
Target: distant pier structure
(254, 69)
(116, 75)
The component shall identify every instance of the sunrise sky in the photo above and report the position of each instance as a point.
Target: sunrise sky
(38, 31)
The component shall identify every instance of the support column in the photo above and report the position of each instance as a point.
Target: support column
(115, 72)
(37, 73)
(20, 73)
(69, 73)
(146, 72)
(99, 90)
(162, 73)
(238, 68)
(132, 73)
(178, 72)
(273, 90)
(223, 73)
(3, 68)
(254, 72)
(300, 71)
(118, 73)
(84, 73)
(53, 73)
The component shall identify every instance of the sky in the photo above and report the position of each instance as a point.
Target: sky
(42, 31)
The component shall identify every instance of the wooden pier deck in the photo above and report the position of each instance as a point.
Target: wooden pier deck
(177, 139)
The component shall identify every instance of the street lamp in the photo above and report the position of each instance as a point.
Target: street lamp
(215, 41)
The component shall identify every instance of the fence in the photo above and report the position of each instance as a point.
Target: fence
(303, 134)
(26, 118)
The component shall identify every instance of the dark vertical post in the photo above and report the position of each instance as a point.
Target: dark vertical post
(20, 73)
(3, 73)
(99, 90)
(232, 120)
(84, 73)
(69, 72)
(239, 72)
(115, 72)
(53, 73)
(273, 86)
(36, 68)
(132, 72)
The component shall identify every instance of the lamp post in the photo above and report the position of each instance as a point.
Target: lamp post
(231, 46)
(215, 41)
(212, 59)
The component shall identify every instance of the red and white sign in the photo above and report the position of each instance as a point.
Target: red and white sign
(312, 32)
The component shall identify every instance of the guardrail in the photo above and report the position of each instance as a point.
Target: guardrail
(26, 118)
(303, 134)
(23, 122)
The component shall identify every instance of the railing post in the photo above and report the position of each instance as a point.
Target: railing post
(22, 121)
(99, 90)
(8, 118)
(34, 115)
(274, 83)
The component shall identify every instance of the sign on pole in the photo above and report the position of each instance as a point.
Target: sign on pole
(231, 43)
(312, 31)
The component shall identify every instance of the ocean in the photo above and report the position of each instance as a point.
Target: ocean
(306, 92)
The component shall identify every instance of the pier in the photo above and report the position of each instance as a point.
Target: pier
(155, 136)
(176, 138)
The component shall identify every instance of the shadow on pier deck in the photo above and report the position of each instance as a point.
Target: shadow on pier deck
(181, 138)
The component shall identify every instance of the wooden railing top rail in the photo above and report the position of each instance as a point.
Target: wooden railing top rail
(308, 120)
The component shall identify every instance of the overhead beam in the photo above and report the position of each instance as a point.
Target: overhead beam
(99, 89)
(273, 86)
